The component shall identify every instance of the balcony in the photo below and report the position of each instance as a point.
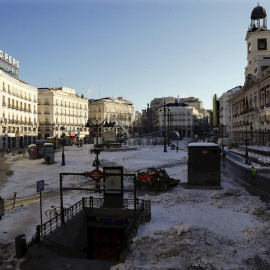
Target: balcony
(254, 109)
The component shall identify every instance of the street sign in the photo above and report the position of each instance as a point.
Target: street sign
(96, 175)
(40, 185)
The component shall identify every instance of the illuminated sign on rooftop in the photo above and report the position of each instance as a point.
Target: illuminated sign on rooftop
(9, 64)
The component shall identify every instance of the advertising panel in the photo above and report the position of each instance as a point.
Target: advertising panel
(113, 181)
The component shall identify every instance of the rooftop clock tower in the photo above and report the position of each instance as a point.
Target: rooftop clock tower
(258, 43)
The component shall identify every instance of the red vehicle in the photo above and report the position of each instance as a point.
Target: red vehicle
(156, 178)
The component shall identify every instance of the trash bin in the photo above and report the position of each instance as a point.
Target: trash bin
(2, 207)
(20, 245)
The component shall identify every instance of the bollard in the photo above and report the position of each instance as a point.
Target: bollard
(20, 246)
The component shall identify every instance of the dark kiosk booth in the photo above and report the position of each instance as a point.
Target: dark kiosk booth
(203, 164)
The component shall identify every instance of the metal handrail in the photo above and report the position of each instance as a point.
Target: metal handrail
(55, 222)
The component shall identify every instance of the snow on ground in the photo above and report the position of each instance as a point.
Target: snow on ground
(211, 229)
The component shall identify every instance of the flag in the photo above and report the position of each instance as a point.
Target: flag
(244, 104)
(247, 107)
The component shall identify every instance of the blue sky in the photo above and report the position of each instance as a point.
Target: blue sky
(135, 49)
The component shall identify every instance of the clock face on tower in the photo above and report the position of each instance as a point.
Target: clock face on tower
(262, 44)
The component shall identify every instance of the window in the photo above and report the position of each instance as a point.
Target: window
(264, 68)
(267, 97)
(262, 98)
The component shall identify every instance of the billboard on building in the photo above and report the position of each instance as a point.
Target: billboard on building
(9, 64)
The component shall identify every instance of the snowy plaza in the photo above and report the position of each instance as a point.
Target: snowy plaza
(189, 229)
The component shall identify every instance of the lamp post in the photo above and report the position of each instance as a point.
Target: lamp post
(170, 118)
(246, 123)
(63, 146)
(168, 129)
(165, 140)
(96, 149)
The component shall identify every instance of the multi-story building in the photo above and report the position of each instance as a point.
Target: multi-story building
(117, 110)
(18, 107)
(224, 112)
(250, 105)
(140, 122)
(180, 117)
(198, 105)
(61, 110)
(193, 102)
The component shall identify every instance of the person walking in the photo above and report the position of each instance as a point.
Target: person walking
(14, 199)
(253, 176)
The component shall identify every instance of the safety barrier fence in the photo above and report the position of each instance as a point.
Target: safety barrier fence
(234, 156)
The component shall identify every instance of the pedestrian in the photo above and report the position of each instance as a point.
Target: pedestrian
(14, 199)
(253, 176)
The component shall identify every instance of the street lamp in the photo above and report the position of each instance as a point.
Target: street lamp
(170, 118)
(246, 123)
(165, 140)
(63, 145)
(168, 129)
(96, 149)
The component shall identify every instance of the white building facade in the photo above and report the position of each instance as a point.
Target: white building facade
(61, 110)
(224, 111)
(178, 117)
(109, 108)
(18, 113)
(250, 105)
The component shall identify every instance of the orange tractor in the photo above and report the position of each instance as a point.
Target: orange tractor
(155, 178)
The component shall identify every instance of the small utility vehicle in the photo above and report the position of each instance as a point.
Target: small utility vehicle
(156, 178)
